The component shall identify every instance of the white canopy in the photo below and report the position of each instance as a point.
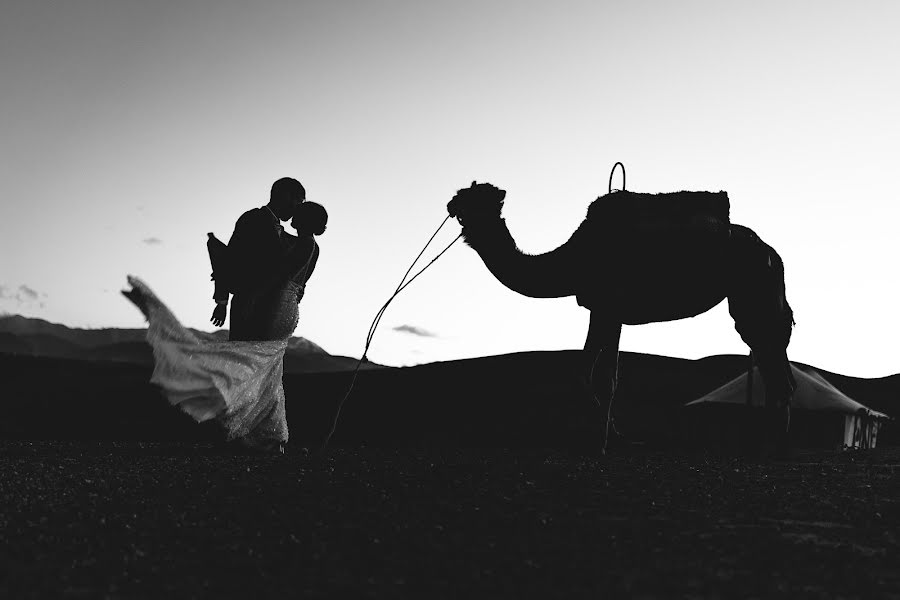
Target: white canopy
(813, 393)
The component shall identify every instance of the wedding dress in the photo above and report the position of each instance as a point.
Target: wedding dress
(237, 383)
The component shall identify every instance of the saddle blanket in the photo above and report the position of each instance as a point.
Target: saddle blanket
(635, 209)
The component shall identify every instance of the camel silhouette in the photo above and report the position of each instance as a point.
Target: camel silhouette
(646, 258)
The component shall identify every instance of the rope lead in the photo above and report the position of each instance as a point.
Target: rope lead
(377, 320)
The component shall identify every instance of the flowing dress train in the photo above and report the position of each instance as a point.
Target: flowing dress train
(237, 383)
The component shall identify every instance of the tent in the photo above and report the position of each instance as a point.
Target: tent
(820, 413)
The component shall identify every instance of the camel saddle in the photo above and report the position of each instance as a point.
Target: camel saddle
(652, 244)
(654, 226)
(651, 211)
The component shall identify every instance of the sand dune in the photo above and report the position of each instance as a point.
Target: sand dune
(24, 336)
(531, 399)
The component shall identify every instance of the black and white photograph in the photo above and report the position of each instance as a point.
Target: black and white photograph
(431, 299)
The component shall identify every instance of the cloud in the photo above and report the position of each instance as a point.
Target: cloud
(152, 241)
(413, 330)
(28, 292)
(22, 296)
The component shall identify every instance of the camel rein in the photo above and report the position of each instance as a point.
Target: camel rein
(375, 322)
(402, 286)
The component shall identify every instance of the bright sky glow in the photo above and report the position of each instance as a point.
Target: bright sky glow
(129, 129)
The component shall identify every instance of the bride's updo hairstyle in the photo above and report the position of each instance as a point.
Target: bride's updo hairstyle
(311, 217)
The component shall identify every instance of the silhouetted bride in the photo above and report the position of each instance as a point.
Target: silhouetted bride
(237, 383)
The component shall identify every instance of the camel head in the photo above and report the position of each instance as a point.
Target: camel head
(476, 204)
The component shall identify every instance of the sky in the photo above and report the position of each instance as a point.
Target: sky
(130, 129)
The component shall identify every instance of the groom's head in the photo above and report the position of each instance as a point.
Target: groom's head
(286, 194)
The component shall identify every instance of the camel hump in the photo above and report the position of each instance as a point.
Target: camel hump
(636, 209)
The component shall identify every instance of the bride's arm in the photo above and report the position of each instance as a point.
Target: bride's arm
(312, 261)
(218, 258)
(297, 257)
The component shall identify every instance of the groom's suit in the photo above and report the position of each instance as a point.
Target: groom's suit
(256, 249)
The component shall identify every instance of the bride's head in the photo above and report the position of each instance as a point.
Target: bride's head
(310, 218)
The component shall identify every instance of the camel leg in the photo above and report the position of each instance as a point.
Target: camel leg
(779, 388)
(779, 381)
(601, 351)
(764, 321)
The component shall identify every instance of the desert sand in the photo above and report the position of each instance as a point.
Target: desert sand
(466, 479)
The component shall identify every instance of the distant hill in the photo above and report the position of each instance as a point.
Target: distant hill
(529, 399)
(25, 336)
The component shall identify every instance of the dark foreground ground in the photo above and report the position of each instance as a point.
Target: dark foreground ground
(114, 519)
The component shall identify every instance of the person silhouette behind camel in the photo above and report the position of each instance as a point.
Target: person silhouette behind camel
(257, 245)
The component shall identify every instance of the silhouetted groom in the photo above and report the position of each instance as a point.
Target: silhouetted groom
(255, 251)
